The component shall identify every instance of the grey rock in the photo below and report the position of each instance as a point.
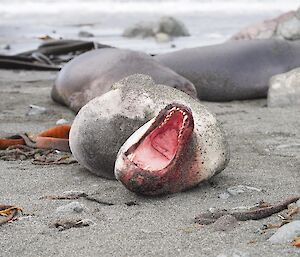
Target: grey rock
(284, 89)
(289, 29)
(142, 30)
(36, 110)
(104, 124)
(73, 207)
(83, 33)
(171, 26)
(286, 233)
(224, 223)
(166, 25)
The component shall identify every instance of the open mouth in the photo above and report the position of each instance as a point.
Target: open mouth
(164, 140)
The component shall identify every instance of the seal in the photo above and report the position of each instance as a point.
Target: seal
(235, 70)
(105, 123)
(165, 155)
(93, 74)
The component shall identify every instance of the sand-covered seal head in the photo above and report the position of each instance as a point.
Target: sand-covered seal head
(111, 125)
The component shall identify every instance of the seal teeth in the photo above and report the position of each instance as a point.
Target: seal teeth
(131, 157)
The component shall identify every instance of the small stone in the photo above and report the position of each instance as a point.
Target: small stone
(36, 110)
(62, 121)
(224, 195)
(284, 89)
(87, 222)
(286, 233)
(224, 223)
(71, 207)
(83, 33)
(162, 38)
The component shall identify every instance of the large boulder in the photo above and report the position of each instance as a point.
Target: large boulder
(284, 89)
(163, 30)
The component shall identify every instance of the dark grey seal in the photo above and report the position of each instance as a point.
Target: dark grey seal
(233, 70)
(93, 74)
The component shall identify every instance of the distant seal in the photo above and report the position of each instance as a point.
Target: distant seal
(93, 74)
(234, 70)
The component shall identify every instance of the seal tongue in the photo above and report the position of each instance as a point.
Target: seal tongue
(158, 148)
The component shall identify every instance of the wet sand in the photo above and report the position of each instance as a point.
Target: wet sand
(264, 155)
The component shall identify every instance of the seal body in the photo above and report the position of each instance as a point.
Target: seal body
(93, 74)
(235, 70)
(104, 124)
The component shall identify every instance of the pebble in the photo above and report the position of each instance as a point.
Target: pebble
(70, 208)
(224, 195)
(286, 233)
(35, 110)
(224, 223)
(61, 122)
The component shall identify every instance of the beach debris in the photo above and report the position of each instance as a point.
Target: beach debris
(71, 195)
(261, 211)
(84, 33)
(64, 224)
(56, 52)
(45, 37)
(53, 138)
(240, 189)
(9, 213)
(71, 208)
(163, 30)
(38, 156)
(61, 122)
(286, 233)
(67, 195)
(36, 110)
(284, 89)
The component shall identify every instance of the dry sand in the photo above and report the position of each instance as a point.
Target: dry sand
(265, 154)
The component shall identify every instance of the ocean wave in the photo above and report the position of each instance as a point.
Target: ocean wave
(136, 6)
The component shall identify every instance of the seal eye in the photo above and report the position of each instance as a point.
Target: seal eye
(161, 143)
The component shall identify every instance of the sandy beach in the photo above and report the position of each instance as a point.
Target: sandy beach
(112, 221)
(264, 146)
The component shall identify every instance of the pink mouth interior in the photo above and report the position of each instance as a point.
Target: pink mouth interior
(159, 148)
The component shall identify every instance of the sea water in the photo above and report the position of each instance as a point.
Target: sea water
(208, 21)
